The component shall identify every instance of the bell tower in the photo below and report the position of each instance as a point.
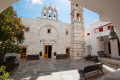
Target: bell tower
(77, 31)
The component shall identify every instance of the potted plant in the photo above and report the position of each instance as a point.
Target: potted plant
(54, 54)
(40, 53)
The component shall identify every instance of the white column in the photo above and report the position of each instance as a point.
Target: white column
(52, 15)
(47, 14)
(114, 48)
(42, 14)
(56, 16)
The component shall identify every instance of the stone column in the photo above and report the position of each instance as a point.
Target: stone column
(42, 14)
(56, 16)
(47, 14)
(52, 15)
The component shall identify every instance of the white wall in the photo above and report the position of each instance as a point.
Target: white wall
(38, 31)
(114, 49)
(94, 40)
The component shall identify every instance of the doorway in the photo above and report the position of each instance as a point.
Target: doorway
(68, 52)
(109, 47)
(23, 53)
(47, 51)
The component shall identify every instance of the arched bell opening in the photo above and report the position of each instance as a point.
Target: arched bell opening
(54, 15)
(45, 14)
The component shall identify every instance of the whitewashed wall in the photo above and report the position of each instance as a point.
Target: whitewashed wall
(38, 31)
(94, 40)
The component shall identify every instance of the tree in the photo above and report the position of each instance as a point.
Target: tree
(11, 30)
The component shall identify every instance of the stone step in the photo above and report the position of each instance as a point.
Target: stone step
(47, 77)
(66, 75)
(62, 75)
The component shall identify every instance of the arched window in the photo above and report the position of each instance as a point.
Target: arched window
(49, 14)
(78, 17)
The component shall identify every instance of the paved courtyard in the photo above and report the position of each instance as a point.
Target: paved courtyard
(32, 69)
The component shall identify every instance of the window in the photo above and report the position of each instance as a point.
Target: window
(66, 32)
(23, 50)
(88, 34)
(100, 29)
(49, 31)
(27, 29)
(77, 5)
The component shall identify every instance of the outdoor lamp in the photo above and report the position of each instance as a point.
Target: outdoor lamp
(112, 34)
(101, 39)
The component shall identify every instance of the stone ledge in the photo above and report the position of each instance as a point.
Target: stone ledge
(110, 61)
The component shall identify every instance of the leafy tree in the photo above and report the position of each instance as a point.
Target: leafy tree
(11, 30)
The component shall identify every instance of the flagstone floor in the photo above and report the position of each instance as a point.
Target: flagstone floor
(32, 69)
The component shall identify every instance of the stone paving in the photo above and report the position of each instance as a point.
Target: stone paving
(32, 69)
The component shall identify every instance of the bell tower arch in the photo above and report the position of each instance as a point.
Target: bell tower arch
(49, 13)
(77, 31)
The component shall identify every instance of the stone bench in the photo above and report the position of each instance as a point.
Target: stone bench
(61, 56)
(32, 57)
(102, 54)
(92, 58)
(10, 64)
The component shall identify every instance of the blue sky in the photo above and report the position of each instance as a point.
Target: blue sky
(33, 8)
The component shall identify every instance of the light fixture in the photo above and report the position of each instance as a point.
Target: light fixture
(112, 34)
(101, 38)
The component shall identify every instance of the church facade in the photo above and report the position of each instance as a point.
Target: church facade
(48, 35)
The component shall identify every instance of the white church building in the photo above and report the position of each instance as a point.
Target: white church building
(48, 35)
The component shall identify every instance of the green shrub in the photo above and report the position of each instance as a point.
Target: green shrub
(54, 53)
(40, 53)
(4, 75)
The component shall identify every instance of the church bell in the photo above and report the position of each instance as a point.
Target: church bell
(54, 16)
(44, 14)
(112, 34)
(49, 15)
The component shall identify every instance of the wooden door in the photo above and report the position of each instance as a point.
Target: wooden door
(23, 53)
(68, 52)
(45, 51)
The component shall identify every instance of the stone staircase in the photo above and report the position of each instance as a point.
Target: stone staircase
(63, 75)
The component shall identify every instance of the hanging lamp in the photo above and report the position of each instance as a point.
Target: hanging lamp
(101, 38)
(112, 34)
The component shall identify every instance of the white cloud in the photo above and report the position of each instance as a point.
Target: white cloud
(37, 1)
(33, 2)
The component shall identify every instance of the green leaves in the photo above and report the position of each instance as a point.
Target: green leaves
(4, 75)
